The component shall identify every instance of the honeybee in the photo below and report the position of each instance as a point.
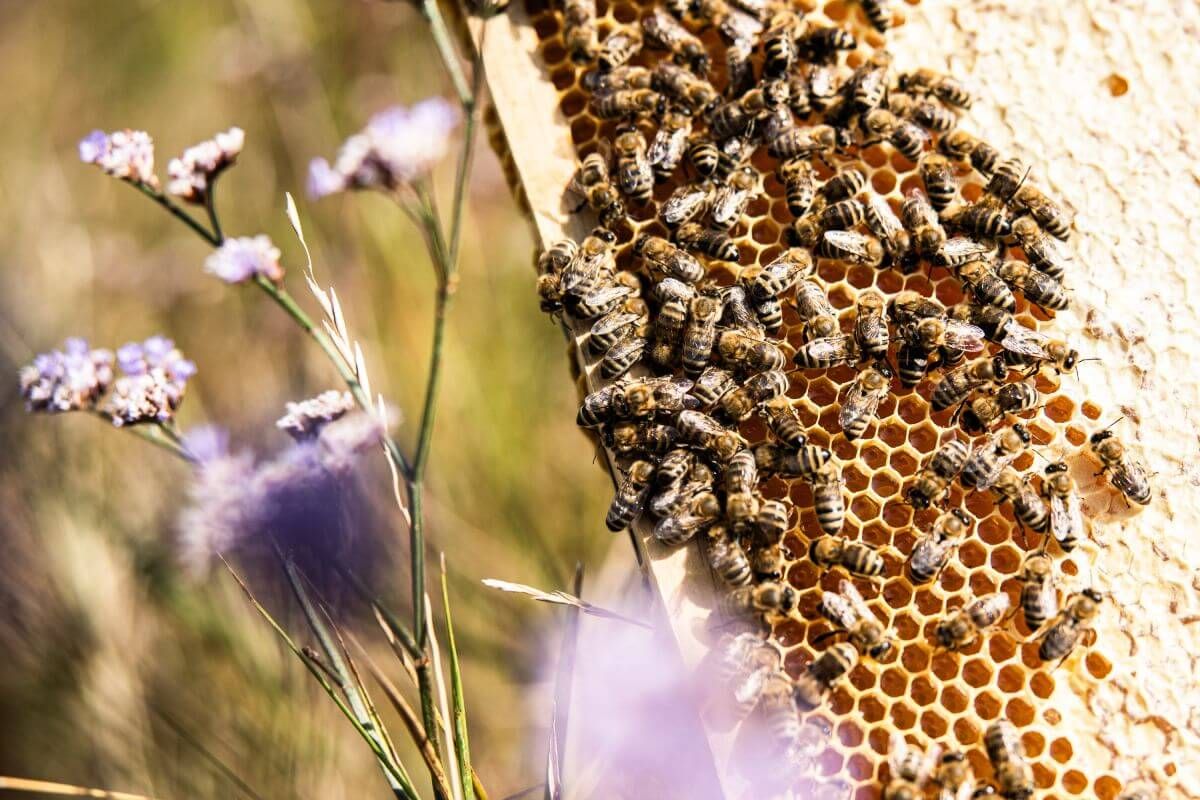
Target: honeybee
(779, 44)
(796, 142)
(739, 313)
(667, 259)
(626, 76)
(556, 257)
(1013, 776)
(1039, 598)
(911, 769)
(741, 474)
(668, 332)
(962, 626)
(954, 387)
(726, 557)
(668, 145)
(631, 496)
(1066, 512)
(679, 526)
(1026, 346)
(943, 87)
(784, 422)
(635, 178)
(850, 246)
(1048, 214)
(907, 137)
(959, 250)
(816, 313)
(1028, 506)
(921, 220)
(713, 244)
(986, 286)
(674, 467)
(739, 404)
(627, 438)
(700, 333)
(804, 461)
(743, 663)
(849, 614)
(886, 226)
(983, 218)
(671, 497)
(961, 146)
(770, 314)
(932, 116)
(766, 558)
(955, 779)
(739, 65)
(980, 414)
(1038, 287)
(1008, 176)
(736, 117)
(1124, 471)
(778, 713)
(743, 350)
(856, 558)
(866, 393)
(771, 521)
(687, 203)
(664, 31)
(668, 289)
(931, 333)
(621, 357)
(626, 103)
(1043, 251)
(829, 668)
(821, 43)
(848, 182)
(842, 215)
(765, 598)
(579, 30)
(932, 482)
(684, 87)
(592, 185)
(799, 184)
(879, 13)
(932, 551)
(616, 325)
(799, 93)
(828, 501)
(987, 460)
(870, 326)
(603, 299)
(823, 86)
(619, 46)
(909, 307)
(781, 274)
(826, 352)
(711, 385)
(704, 432)
(593, 261)
(939, 179)
(731, 198)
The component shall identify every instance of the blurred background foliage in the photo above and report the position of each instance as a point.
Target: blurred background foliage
(121, 671)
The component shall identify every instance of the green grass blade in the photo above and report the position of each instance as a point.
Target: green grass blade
(461, 744)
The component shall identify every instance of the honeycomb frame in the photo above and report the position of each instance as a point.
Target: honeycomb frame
(1007, 679)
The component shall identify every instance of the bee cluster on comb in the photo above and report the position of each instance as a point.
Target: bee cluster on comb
(816, 305)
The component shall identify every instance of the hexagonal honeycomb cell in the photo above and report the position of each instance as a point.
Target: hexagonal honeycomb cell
(926, 694)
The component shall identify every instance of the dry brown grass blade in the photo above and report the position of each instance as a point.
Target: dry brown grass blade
(562, 599)
(64, 789)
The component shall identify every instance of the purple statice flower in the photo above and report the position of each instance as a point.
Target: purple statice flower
(127, 154)
(291, 499)
(191, 175)
(239, 260)
(304, 420)
(155, 375)
(206, 443)
(70, 379)
(398, 146)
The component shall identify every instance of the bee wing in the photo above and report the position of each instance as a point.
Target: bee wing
(1066, 516)
(612, 322)
(852, 243)
(838, 609)
(811, 300)
(749, 690)
(1024, 341)
(882, 221)
(998, 466)
(741, 27)
(924, 213)
(832, 347)
(897, 752)
(1129, 476)
(727, 204)
(929, 762)
(860, 402)
(960, 249)
(685, 203)
(850, 592)
(964, 336)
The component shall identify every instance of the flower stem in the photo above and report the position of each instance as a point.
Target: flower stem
(210, 205)
(441, 38)
(180, 214)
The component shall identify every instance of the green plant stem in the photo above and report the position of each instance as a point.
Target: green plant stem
(461, 742)
(347, 681)
(154, 434)
(187, 219)
(441, 38)
(210, 205)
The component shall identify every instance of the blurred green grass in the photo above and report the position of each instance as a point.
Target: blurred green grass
(122, 673)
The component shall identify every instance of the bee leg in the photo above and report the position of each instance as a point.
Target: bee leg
(827, 635)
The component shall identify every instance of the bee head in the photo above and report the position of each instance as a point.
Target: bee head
(880, 650)
(1000, 368)
(1093, 595)
(1022, 432)
(1057, 466)
(953, 757)
(1100, 436)
(916, 499)
(962, 517)
(788, 599)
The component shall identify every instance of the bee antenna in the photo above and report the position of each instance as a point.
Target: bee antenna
(1114, 422)
(1038, 453)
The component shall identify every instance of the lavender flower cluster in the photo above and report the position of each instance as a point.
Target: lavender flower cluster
(239, 260)
(193, 173)
(127, 155)
(154, 375)
(398, 146)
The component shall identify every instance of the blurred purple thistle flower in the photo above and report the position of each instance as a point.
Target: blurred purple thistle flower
(398, 146)
(206, 443)
(306, 419)
(239, 260)
(70, 379)
(126, 154)
(191, 175)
